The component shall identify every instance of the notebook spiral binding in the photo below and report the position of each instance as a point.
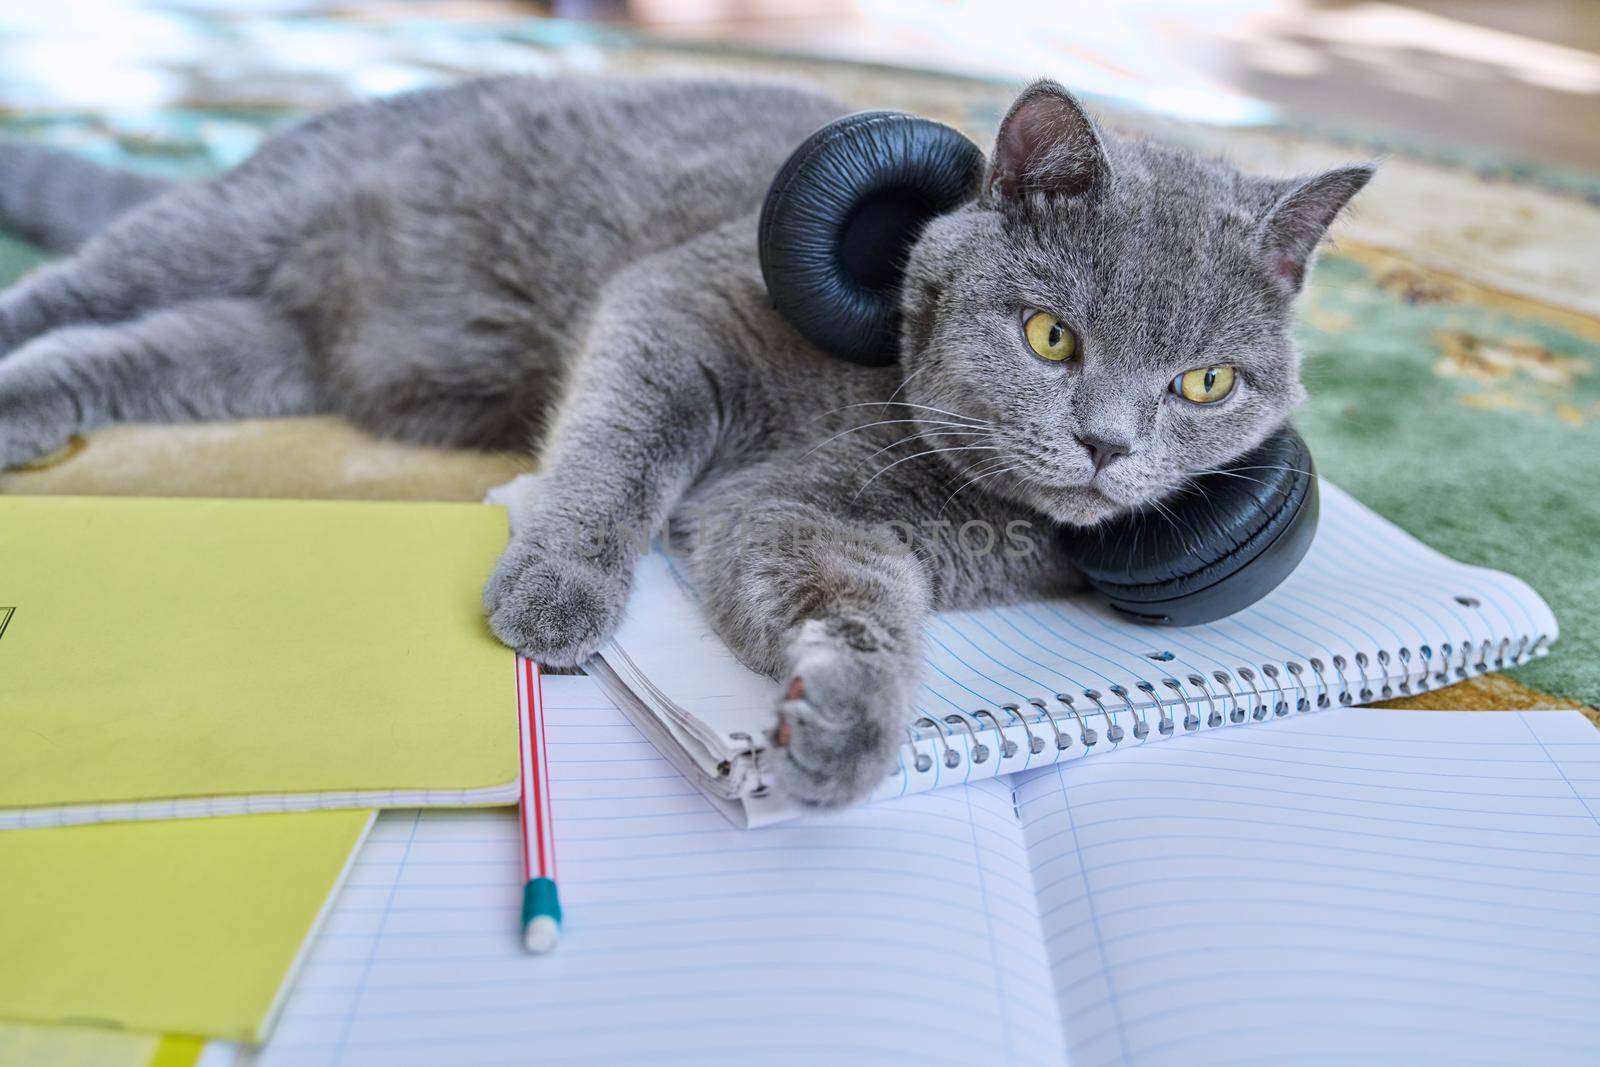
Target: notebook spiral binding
(1172, 705)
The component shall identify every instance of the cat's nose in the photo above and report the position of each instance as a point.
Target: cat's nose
(1102, 450)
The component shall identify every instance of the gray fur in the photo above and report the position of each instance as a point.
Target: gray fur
(59, 201)
(467, 265)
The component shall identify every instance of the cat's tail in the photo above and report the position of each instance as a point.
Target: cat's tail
(60, 200)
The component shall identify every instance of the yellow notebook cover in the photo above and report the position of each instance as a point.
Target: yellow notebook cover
(190, 926)
(78, 1046)
(164, 658)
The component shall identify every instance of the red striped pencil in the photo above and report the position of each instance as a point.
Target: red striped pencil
(541, 907)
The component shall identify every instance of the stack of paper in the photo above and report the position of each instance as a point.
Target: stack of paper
(161, 661)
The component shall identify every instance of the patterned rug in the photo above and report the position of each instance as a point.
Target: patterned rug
(1452, 337)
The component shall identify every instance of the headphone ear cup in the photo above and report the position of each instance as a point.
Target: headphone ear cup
(1224, 544)
(841, 216)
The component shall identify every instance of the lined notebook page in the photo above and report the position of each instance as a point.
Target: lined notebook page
(1370, 613)
(904, 930)
(1419, 887)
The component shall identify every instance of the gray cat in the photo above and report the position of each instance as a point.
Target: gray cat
(469, 265)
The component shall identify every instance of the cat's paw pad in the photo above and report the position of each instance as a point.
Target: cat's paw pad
(557, 610)
(835, 740)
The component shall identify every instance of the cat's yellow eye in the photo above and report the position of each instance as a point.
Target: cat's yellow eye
(1049, 337)
(1204, 385)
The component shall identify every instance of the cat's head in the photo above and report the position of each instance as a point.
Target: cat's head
(1114, 312)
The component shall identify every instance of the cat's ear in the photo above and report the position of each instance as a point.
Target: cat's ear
(1301, 217)
(1047, 144)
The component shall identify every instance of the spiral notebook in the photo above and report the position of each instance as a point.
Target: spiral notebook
(1359, 886)
(1370, 614)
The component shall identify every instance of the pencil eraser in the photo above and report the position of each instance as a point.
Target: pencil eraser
(541, 934)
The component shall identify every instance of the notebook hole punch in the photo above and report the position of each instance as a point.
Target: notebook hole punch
(1035, 744)
(1384, 660)
(1114, 732)
(1361, 665)
(951, 758)
(1280, 707)
(1063, 742)
(1086, 733)
(1405, 668)
(1141, 729)
(1302, 701)
(1213, 716)
(1191, 721)
(1258, 707)
(1236, 714)
(978, 751)
(1008, 747)
(1165, 725)
(921, 762)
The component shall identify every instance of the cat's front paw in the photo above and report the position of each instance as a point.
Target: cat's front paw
(21, 446)
(27, 435)
(553, 607)
(841, 720)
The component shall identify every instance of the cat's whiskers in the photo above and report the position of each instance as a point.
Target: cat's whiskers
(906, 382)
(1163, 512)
(1172, 517)
(973, 481)
(919, 455)
(884, 422)
(973, 467)
(1186, 489)
(1254, 467)
(924, 435)
(1232, 474)
(917, 407)
(990, 461)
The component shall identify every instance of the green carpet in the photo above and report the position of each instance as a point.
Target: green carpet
(1473, 422)
(16, 257)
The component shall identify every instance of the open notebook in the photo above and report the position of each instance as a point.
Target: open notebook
(1359, 886)
(1371, 613)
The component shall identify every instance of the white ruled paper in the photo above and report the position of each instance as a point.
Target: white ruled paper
(893, 931)
(1362, 886)
(1357, 886)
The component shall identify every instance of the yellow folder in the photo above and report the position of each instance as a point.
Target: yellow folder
(191, 926)
(187, 657)
(81, 1046)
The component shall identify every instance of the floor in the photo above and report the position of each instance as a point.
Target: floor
(1521, 78)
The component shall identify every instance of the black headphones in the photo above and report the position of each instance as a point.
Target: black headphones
(835, 230)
